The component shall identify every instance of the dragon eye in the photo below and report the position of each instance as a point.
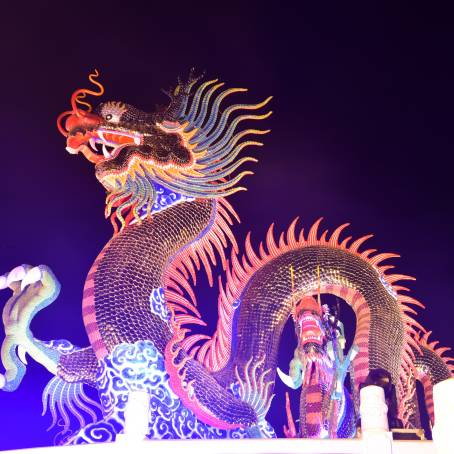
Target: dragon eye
(109, 117)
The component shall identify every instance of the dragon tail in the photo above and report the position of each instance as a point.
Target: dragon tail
(431, 367)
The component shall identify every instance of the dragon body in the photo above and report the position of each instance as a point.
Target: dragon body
(167, 176)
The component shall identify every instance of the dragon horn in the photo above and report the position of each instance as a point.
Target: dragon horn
(286, 379)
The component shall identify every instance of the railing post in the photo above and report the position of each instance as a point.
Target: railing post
(443, 430)
(377, 439)
(136, 417)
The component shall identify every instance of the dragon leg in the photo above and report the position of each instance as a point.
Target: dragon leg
(35, 288)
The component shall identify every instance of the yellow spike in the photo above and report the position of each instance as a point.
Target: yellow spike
(137, 169)
(172, 172)
(215, 87)
(160, 173)
(229, 91)
(197, 154)
(248, 143)
(262, 117)
(188, 135)
(123, 177)
(198, 167)
(121, 219)
(192, 172)
(233, 190)
(245, 173)
(253, 131)
(260, 104)
(108, 209)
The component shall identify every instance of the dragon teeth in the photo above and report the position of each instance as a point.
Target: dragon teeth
(105, 152)
(92, 143)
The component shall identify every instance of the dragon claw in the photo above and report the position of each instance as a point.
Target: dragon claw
(33, 288)
(33, 275)
(23, 275)
(16, 274)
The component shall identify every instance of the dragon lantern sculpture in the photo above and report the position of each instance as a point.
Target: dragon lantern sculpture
(167, 175)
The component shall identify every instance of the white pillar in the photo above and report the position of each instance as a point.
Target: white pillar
(443, 430)
(136, 417)
(374, 421)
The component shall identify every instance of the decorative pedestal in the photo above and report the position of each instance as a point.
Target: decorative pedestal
(442, 432)
(136, 417)
(377, 439)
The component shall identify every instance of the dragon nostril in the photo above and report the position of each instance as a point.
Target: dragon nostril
(77, 131)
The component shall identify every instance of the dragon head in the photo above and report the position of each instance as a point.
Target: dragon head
(312, 340)
(308, 318)
(187, 147)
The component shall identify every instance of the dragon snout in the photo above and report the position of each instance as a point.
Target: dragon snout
(81, 128)
(87, 121)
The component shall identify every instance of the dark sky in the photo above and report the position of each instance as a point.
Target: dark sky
(361, 133)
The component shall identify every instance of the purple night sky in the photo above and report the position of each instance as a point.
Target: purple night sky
(361, 133)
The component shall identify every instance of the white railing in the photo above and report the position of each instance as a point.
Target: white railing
(259, 446)
(375, 439)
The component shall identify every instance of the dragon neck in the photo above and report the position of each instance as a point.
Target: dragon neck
(128, 277)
